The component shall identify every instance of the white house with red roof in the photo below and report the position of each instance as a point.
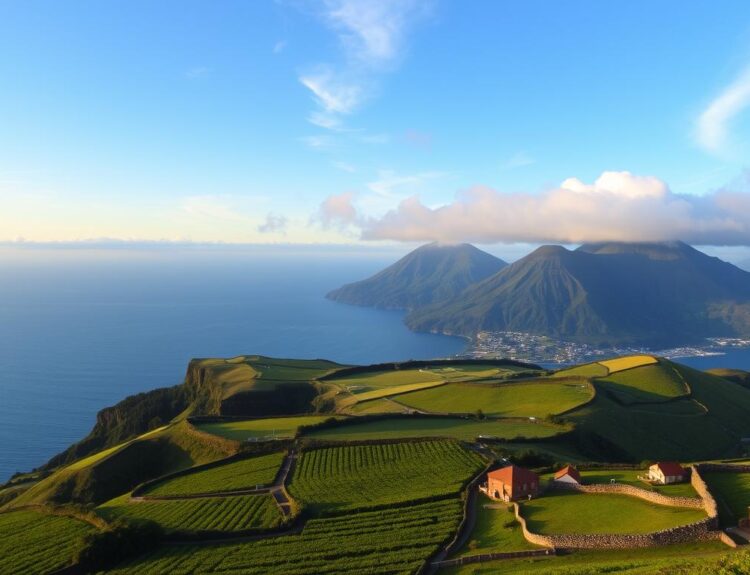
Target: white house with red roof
(568, 474)
(666, 472)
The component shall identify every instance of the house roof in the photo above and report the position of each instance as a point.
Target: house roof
(569, 470)
(669, 468)
(513, 475)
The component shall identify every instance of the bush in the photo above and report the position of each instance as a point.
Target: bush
(105, 549)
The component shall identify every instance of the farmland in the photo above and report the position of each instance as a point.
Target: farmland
(229, 514)
(379, 542)
(34, 542)
(585, 370)
(507, 400)
(627, 362)
(242, 474)
(277, 427)
(630, 477)
(496, 531)
(732, 492)
(560, 513)
(353, 477)
(467, 429)
(647, 384)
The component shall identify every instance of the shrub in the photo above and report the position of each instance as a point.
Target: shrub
(105, 549)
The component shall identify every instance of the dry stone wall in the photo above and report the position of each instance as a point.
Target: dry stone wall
(632, 491)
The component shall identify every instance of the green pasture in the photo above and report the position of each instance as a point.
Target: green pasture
(236, 513)
(376, 406)
(561, 513)
(495, 531)
(336, 479)
(732, 494)
(630, 477)
(585, 370)
(650, 383)
(467, 429)
(242, 474)
(37, 543)
(507, 400)
(278, 427)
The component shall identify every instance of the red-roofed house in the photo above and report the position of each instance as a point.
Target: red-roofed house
(568, 474)
(667, 472)
(511, 483)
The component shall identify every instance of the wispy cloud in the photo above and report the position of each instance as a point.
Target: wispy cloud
(372, 36)
(714, 122)
(338, 211)
(279, 47)
(389, 182)
(214, 207)
(274, 224)
(616, 206)
(517, 160)
(320, 142)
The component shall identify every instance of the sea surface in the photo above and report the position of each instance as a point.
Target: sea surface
(82, 329)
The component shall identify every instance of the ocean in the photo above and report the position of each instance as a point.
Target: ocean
(82, 329)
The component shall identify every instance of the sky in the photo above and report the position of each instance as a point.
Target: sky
(375, 122)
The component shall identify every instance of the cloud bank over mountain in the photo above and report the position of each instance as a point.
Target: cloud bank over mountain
(617, 206)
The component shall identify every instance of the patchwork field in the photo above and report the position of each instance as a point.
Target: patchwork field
(651, 383)
(353, 477)
(585, 370)
(236, 513)
(507, 400)
(467, 429)
(277, 427)
(628, 362)
(496, 531)
(732, 493)
(34, 542)
(384, 542)
(630, 477)
(242, 474)
(560, 513)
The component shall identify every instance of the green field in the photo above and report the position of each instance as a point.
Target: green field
(630, 477)
(560, 513)
(277, 427)
(650, 383)
(628, 362)
(32, 542)
(376, 406)
(237, 513)
(395, 390)
(363, 382)
(456, 427)
(585, 370)
(732, 493)
(495, 531)
(242, 474)
(392, 541)
(98, 456)
(344, 478)
(506, 400)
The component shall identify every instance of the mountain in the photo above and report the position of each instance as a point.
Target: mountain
(607, 293)
(431, 273)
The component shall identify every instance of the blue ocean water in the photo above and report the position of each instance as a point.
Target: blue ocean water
(80, 331)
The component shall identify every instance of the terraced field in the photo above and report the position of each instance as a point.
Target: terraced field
(243, 474)
(37, 543)
(467, 429)
(354, 477)
(227, 514)
(393, 541)
(559, 513)
(261, 428)
(507, 400)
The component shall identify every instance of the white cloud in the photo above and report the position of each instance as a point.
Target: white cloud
(713, 123)
(617, 206)
(215, 207)
(338, 210)
(517, 160)
(273, 224)
(332, 94)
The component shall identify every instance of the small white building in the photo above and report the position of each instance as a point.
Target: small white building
(568, 474)
(666, 472)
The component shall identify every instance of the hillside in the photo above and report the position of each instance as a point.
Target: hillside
(654, 294)
(431, 273)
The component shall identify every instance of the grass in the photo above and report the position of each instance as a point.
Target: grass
(396, 390)
(732, 493)
(96, 457)
(380, 379)
(336, 479)
(561, 513)
(630, 477)
(228, 514)
(392, 541)
(495, 531)
(507, 400)
(261, 428)
(646, 384)
(376, 406)
(34, 542)
(467, 429)
(242, 474)
(681, 559)
(585, 370)
(627, 362)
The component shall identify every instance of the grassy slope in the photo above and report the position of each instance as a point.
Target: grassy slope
(458, 428)
(627, 362)
(585, 370)
(650, 383)
(732, 492)
(507, 400)
(252, 428)
(630, 477)
(340, 478)
(32, 542)
(496, 531)
(566, 513)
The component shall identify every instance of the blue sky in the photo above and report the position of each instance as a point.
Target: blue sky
(352, 121)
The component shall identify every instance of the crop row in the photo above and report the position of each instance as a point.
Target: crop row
(354, 477)
(32, 542)
(394, 541)
(236, 513)
(242, 474)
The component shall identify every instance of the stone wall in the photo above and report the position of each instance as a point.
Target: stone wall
(739, 468)
(632, 491)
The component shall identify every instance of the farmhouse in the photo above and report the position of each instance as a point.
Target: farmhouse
(666, 472)
(568, 474)
(511, 483)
